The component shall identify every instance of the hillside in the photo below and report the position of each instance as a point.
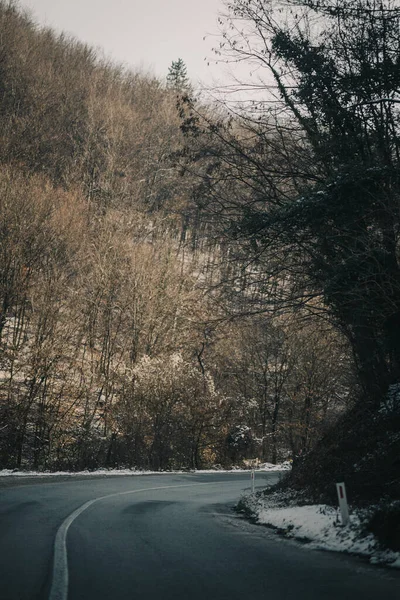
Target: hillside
(117, 346)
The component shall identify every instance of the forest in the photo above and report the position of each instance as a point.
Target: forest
(184, 284)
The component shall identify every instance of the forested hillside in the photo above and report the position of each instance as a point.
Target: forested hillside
(140, 324)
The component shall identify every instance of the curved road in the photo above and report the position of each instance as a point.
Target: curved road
(161, 537)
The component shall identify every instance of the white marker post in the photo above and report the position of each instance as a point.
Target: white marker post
(253, 480)
(344, 508)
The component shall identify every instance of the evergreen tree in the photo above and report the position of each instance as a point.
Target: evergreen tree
(177, 78)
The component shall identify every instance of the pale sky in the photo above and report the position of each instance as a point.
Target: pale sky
(146, 34)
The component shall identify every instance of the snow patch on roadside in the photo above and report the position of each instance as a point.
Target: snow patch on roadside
(99, 472)
(266, 467)
(285, 466)
(319, 526)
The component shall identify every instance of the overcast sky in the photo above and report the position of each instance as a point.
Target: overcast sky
(141, 33)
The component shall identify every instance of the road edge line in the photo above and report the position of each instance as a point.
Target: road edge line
(60, 576)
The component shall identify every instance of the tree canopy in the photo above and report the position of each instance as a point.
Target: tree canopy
(308, 182)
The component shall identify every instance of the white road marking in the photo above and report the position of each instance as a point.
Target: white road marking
(59, 583)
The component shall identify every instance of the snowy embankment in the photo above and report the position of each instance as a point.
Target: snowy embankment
(266, 467)
(319, 526)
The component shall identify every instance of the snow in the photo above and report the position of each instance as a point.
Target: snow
(119, 472)
(391, 404)
(285, 466)
(99, 472)
(319, 526)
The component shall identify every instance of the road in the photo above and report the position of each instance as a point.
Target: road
(162, 537)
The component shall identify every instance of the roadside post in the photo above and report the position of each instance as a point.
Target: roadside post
(344, 508)
(253, 477)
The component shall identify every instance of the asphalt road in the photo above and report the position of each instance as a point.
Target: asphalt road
(162, 537)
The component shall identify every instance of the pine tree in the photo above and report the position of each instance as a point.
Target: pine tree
(177, 78)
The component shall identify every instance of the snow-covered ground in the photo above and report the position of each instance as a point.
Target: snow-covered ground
(320, 527)
(285, 466)
(265, 467)
(98, 472)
